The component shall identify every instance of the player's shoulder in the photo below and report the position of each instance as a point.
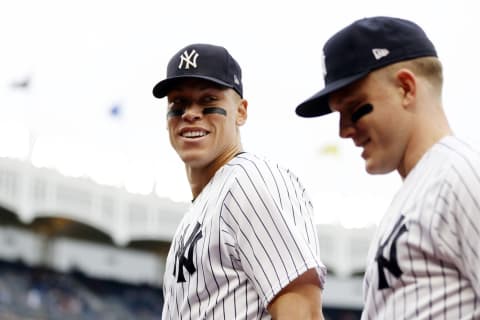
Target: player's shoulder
(454, 162)
(447, 161)
(459, 154)
(263, 174)
(248, 161)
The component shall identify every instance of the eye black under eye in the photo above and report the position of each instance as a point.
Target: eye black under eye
(175, 112)
(219, 110)
(361, 111)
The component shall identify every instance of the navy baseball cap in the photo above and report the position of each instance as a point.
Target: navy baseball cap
(203, 61)
(364, 46)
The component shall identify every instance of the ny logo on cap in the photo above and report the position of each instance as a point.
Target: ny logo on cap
(323, 65)
(380, 53)
(188, 59)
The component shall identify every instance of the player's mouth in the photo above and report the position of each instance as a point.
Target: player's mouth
(193, 134)
(362, 144)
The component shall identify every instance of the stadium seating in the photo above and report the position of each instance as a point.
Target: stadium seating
(29, 292)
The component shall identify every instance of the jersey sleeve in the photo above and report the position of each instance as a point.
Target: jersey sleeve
(457, 223)
(275, 236)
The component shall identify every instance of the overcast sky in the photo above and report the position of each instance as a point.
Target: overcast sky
(84, 57)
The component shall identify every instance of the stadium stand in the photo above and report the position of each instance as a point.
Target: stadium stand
(73, 249)
(41, 293)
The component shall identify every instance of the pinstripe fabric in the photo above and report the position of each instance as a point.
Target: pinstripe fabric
(426, 246)
(256, 235)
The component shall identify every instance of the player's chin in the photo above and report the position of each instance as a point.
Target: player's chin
(377, 167)
(194, 159)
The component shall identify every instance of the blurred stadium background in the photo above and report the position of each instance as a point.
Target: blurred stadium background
(75, 102)
(71, 248)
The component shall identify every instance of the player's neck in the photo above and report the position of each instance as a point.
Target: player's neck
(426, 134)
(199, 177)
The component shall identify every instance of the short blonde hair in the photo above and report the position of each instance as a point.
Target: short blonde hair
(429, 68)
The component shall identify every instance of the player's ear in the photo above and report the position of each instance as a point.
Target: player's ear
(241, 112)
(407, 83)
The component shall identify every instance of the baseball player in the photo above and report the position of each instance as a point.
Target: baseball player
(384, 79)
(247, 248)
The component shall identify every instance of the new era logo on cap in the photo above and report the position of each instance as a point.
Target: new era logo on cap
(236, 80)
(202, 61)
(380, 53)
(362, 47)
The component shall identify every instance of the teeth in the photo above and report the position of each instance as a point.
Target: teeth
(194, 134)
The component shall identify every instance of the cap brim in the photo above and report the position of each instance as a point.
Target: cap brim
(162, 88)
(317, 105)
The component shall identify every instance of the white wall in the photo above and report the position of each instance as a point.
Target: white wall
(106, 262)
(20, 244)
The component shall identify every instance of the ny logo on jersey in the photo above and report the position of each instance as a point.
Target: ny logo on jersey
(186, 262)
(392, 264)
(188, 59)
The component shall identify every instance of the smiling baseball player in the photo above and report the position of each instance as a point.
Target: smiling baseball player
(247, 248)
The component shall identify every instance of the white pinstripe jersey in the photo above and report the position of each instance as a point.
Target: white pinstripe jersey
(246, 236)
(424, 261)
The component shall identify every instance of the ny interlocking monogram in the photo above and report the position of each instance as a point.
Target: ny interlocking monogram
(392, 264)
(188, 59)
(186, 262)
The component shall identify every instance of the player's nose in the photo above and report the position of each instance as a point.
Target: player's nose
(346, 128)
(192, 113)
